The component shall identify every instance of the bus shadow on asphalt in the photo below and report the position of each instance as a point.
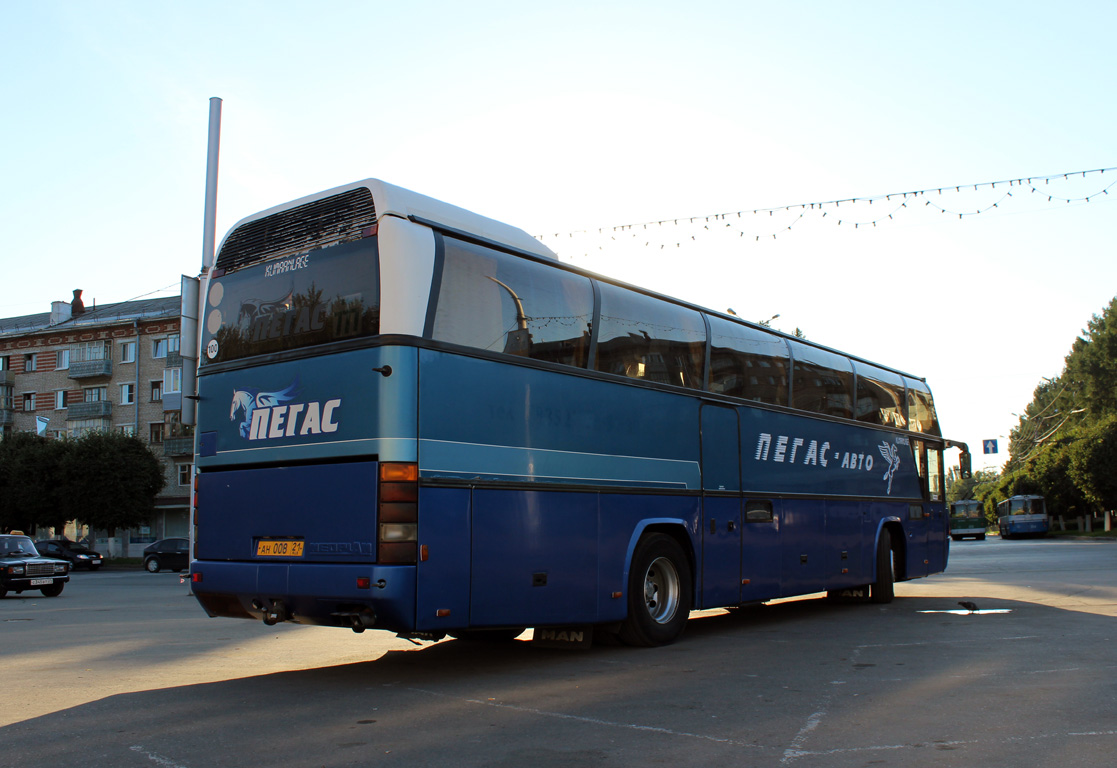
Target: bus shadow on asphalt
(747, 655)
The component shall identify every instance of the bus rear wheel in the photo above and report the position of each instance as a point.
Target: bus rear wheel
(882, 589)
(660, 592)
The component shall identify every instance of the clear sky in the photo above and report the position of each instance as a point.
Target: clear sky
(570, 117)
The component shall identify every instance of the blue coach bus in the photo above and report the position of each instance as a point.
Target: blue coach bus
(414, 418)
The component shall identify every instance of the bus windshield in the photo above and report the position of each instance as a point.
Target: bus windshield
(325, 295)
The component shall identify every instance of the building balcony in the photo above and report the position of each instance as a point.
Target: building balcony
(98, 409)
(88, 369)
(178, 446)
(174, 360)
(7, 378)
(7, 417)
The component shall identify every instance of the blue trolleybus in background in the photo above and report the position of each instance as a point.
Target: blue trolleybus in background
(967, 518)
(1022, 516)
(414, 418)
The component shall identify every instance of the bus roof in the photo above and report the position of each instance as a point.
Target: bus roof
(390, 200)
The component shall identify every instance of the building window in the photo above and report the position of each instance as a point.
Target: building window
(28, 401)
(95, 394)
(59, 399)
(155, 434)
(90, 350)
(172, 344)
(128, 352)
(5, 363)
(185, 473)
(31, 362)
(82, 426)
(127, 429)
(63, 359)
(6, 397)
(158, 348)
(156, 391)
(127, 394)
(172, 380)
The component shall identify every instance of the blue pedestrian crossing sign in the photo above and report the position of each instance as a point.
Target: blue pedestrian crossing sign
(990, 446)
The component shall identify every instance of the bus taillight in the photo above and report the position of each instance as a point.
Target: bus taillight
(398, 513)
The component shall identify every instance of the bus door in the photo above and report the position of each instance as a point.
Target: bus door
(721, 507)
(926, 523)
(939, 521)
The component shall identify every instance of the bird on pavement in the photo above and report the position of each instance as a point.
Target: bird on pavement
(971, 607)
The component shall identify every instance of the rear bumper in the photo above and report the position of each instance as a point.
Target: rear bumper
(307, 593)
(1037, 527)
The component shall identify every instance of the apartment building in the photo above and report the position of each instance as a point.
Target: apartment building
(113, 366)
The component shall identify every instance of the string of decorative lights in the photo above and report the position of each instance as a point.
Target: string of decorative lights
(733, 220)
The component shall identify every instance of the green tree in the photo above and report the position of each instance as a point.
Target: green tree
(1046, 471)
(111, 480)
(1092, 464)
(31, 495)
(1092, 364)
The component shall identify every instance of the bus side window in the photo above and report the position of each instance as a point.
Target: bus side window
(917, 450)
(821, 381)
(758, 511)
(934, 473)
(502, 303)
(649, 339)
(880, 397)
(747, 362)
(921, 409)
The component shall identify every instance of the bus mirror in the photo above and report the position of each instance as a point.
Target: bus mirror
(964, 468)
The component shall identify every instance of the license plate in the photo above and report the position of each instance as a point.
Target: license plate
(41, 582)
(279, 548)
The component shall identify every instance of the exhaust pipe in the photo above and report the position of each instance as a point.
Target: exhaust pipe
(357, 620)
(275, 611)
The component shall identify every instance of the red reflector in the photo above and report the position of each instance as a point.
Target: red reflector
(423, 553)
(363, 582)
(442, 613)
(399, 492)
(195, 577)
(617, 595)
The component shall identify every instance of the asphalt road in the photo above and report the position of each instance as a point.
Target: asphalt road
(124, 669)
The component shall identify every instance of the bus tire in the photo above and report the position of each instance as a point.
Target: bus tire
(883, 588)
(660, 592)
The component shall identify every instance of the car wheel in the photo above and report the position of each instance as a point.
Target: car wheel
(152, 565)
(3, 592)
(54, 590)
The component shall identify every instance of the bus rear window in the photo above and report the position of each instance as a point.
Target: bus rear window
(326, 295)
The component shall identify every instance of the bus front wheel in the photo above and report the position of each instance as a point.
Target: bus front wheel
(883, 589)
(660, 591)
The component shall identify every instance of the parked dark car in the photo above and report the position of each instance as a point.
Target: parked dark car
(167, 554)
(77, 555)
(22, 568)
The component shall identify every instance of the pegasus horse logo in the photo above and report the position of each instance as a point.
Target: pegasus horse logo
(892, 455)
(245, 401)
